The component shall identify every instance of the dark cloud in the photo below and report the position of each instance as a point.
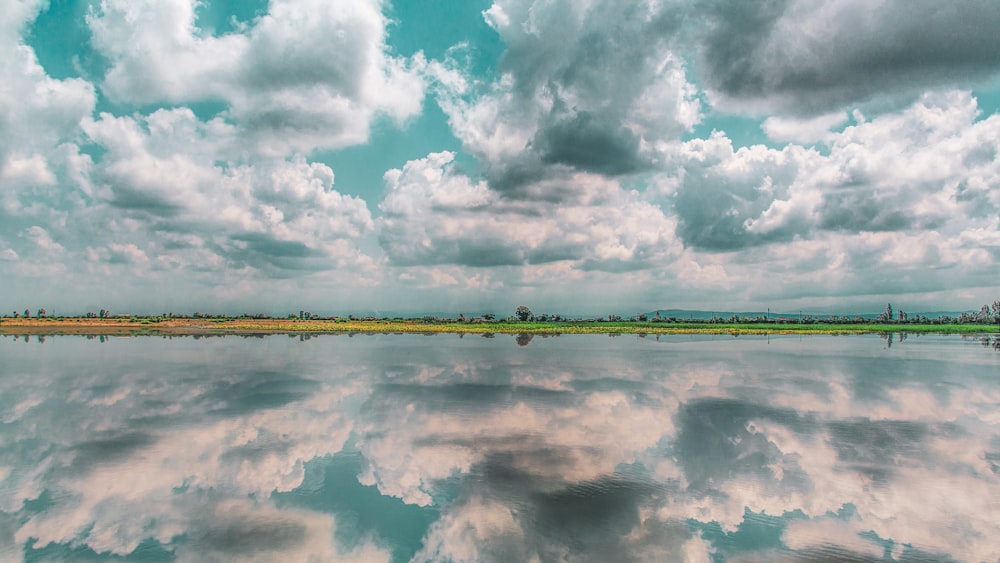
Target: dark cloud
(714, 444)
(269, 246)
(591, 520)
(250, 534)
(257, 390)
(706, 220)
(286, 117)
(713, 211)
(876, 447)
(578, 51)
(135, 199)
(797, 58)
(273, 256)
(855, 211)
(736, 31)
(590, 142)
(587, 84)
(473, 397)
(484, 252)
(112, 449)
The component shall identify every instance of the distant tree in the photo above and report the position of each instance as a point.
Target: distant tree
(15, 314)
(489, 316)
(522, 313)
(642, 317)
(888, 311)
(996, 312)
(41, 313)
(27, 313)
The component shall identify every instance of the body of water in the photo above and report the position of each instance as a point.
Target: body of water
(440, 448)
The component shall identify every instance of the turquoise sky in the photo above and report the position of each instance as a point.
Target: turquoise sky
(458, 156)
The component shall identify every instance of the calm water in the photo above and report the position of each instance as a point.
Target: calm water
(440, 448)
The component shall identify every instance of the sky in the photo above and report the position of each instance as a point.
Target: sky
(575, 156)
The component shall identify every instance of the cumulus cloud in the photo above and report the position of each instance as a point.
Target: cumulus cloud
(582, 176)
(434, 215)
(168, 177)
(305, 75)
(581, 86)
(544, 130)
(39, 112)
(799, 56)
(864, 212)
(39, 119)
(911, 187)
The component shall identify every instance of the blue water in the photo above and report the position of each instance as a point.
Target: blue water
(448, 448)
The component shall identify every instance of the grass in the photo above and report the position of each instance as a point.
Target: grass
(161, 325)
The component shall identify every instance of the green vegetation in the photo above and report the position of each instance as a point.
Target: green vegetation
(523, 321)
(604, 327)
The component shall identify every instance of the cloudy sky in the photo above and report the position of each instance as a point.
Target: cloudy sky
(461, 155)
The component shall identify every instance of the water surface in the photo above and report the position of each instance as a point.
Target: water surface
(441, 448)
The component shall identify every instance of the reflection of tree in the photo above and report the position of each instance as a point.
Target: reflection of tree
(887, 337)
(523, 339)
(990, 342)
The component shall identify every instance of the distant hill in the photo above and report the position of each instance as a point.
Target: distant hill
(705, 315)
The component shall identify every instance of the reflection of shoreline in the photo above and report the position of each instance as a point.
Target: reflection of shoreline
(250, 327)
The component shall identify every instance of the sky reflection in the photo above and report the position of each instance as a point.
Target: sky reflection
(579, 448)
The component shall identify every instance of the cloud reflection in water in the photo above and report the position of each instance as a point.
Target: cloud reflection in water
(579, 448)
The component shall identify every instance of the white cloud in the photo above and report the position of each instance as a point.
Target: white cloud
(905, 191)
(432, 215)
(38, 114)
(178, 179)
(306, 75)
(784, 129)
(31, 170)
(897, 204)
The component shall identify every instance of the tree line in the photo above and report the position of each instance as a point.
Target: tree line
(987, 314)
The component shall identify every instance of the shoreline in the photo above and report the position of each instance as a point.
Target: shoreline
(189, 326)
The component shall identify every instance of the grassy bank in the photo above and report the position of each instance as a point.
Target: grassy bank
(159, 325)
